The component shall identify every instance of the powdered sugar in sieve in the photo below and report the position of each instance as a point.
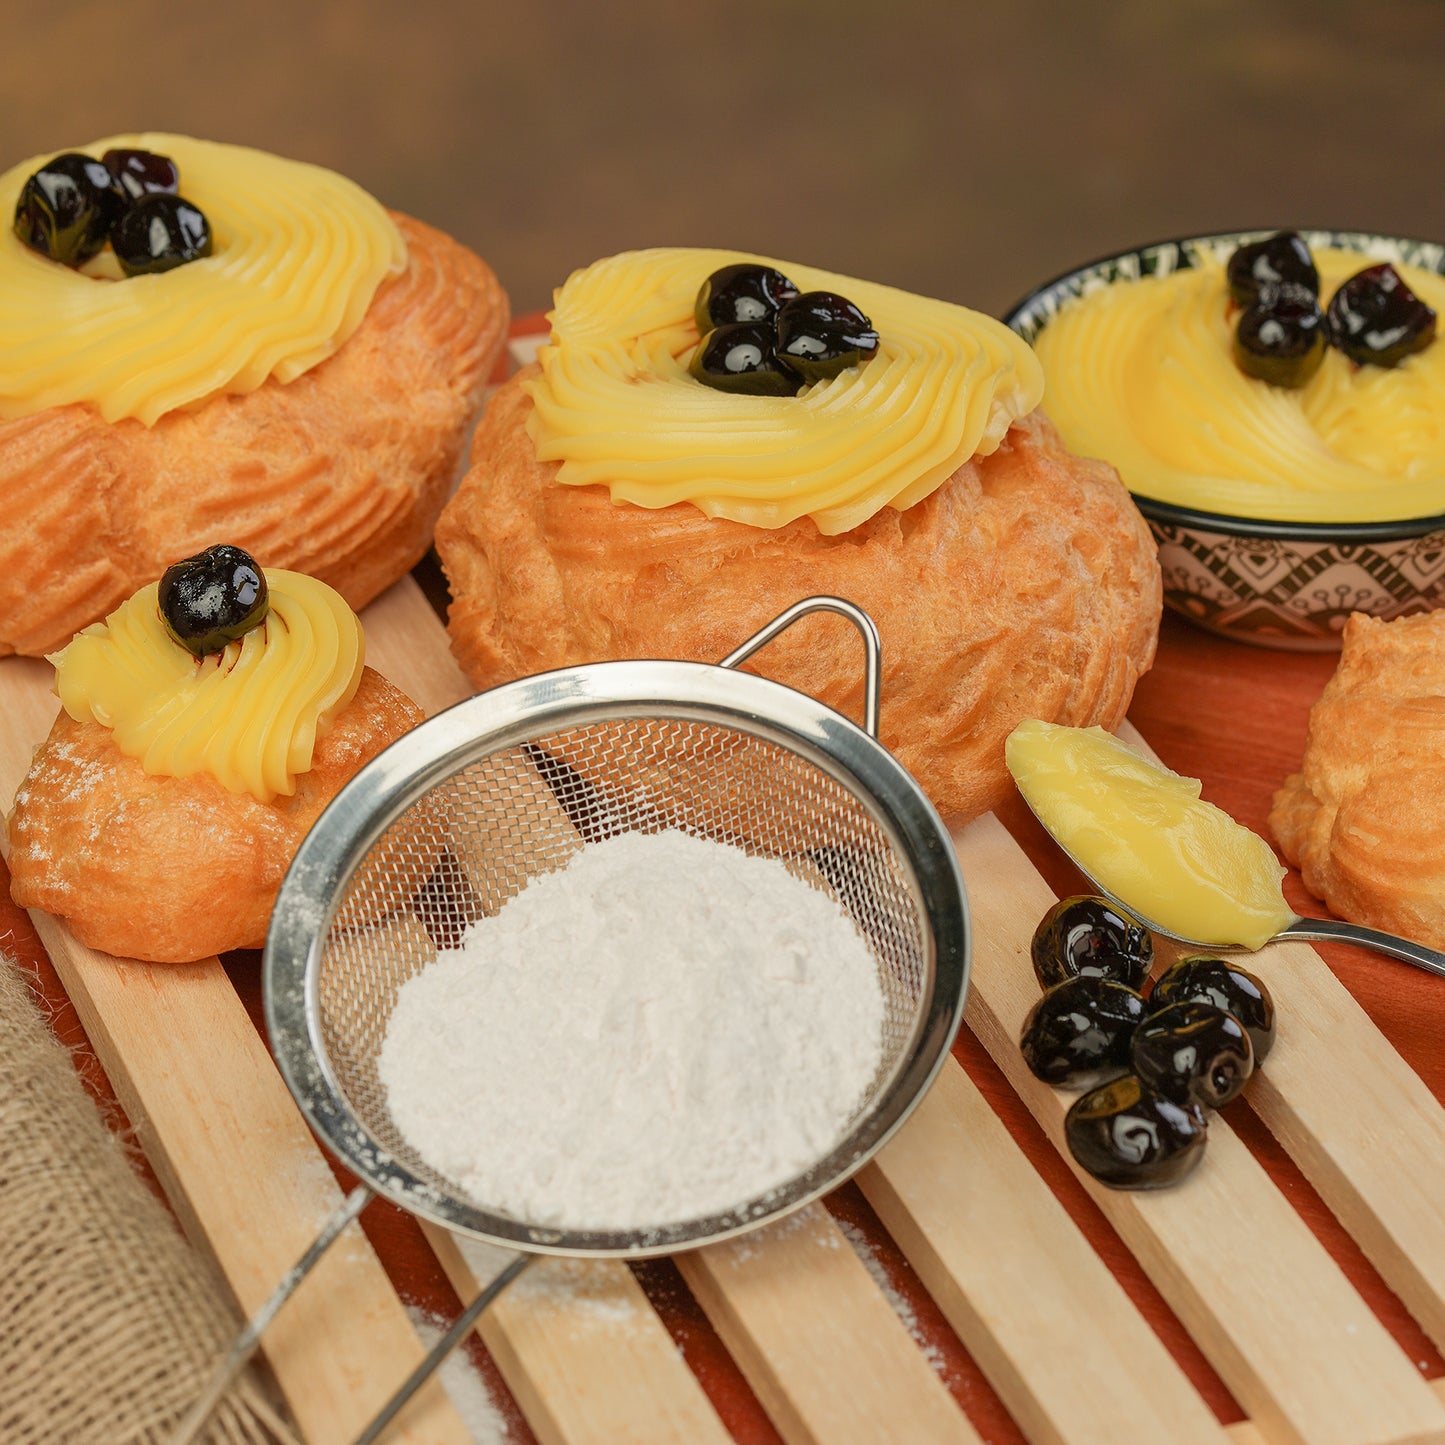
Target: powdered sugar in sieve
(658, 1031)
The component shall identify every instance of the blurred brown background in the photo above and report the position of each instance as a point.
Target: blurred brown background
(963, 150)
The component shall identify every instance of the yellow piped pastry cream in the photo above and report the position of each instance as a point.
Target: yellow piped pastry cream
(614, 403)
(249, 715)
(1141, 374)
(298, 252)
(1144, 833)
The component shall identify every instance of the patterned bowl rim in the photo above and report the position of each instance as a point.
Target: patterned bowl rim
(1032, 312)
(1345, 533)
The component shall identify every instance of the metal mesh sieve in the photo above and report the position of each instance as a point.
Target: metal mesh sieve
(462, 813)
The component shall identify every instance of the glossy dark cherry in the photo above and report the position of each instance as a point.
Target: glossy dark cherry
(159, 233)
(1130, 1137)
(66, 209)
(1086, 934)
(821, 334)
(212, 598)
(1081, 1031)
(1280, 259)
(744, 292)
(741, 358)
(1203, 979)
(1376, 320)
(1282, 338)
(1194, 1051)
(142, 173)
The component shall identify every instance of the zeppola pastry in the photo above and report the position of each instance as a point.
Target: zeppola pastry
(204, 342)
(1362, 818)
(204, 726)
(708, 438)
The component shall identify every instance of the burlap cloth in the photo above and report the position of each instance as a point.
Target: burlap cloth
(109, 1322)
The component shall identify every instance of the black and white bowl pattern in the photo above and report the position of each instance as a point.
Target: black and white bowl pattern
(1274, 584)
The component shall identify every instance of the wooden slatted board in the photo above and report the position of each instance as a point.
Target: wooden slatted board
(589, 1359)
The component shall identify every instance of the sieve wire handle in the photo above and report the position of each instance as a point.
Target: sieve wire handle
(442, 1349)
(249, 1339)
(873, 650)
(244, 1346)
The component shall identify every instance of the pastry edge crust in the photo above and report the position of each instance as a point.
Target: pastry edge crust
(1361, 819)
(1027, 585)
(340, 473)
(173, 870)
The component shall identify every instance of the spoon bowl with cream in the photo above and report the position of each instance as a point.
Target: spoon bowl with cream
(1146, 840)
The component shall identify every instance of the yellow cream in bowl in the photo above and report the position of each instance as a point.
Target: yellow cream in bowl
(615, 405)
(1143, 833)
(298, 253)
(1141, 374)
(249, 715)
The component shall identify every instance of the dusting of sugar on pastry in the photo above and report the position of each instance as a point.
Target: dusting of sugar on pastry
(95, 839)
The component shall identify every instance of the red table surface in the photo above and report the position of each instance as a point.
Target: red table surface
(1231, 715)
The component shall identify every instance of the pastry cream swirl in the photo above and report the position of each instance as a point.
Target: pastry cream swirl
(250, 715)
(615, 405)
(1141, 373)
(298, 253)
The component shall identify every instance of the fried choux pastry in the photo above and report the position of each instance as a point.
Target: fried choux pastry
(1361, 819)
(163, 834)
(1007, 578)
(307, 393)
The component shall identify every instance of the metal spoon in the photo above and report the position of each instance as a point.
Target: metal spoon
(1304, 930)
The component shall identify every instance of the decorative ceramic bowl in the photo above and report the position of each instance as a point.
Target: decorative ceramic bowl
(1276, 584)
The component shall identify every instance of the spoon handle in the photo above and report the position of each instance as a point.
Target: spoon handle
(1329, 930)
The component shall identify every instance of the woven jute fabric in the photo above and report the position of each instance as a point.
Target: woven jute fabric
(110, 1323)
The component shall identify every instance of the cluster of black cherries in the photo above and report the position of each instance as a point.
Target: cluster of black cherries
(1151, 1065)
(762, 338)
(1281, 335)
(74, 205)
(213, 598)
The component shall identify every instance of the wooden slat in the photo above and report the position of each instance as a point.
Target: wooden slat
(820, 1345)
(1264, 1301)
(1038, 1310)
(235, 1157)
(407, 644)
(28, 706)
(1359, 1122)
(583, 1351)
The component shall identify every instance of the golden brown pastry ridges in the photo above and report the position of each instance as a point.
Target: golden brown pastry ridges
(339, 474)
(1362, 818)
(1026, 586)
(174, 869)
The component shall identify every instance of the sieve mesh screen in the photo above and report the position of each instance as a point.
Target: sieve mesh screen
(469, 844)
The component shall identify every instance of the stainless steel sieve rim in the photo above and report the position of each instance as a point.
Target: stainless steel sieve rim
(522, 711)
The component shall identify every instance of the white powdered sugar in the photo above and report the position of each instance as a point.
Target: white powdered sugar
(907, 1315)
(467, 1390)
(663, 1029)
